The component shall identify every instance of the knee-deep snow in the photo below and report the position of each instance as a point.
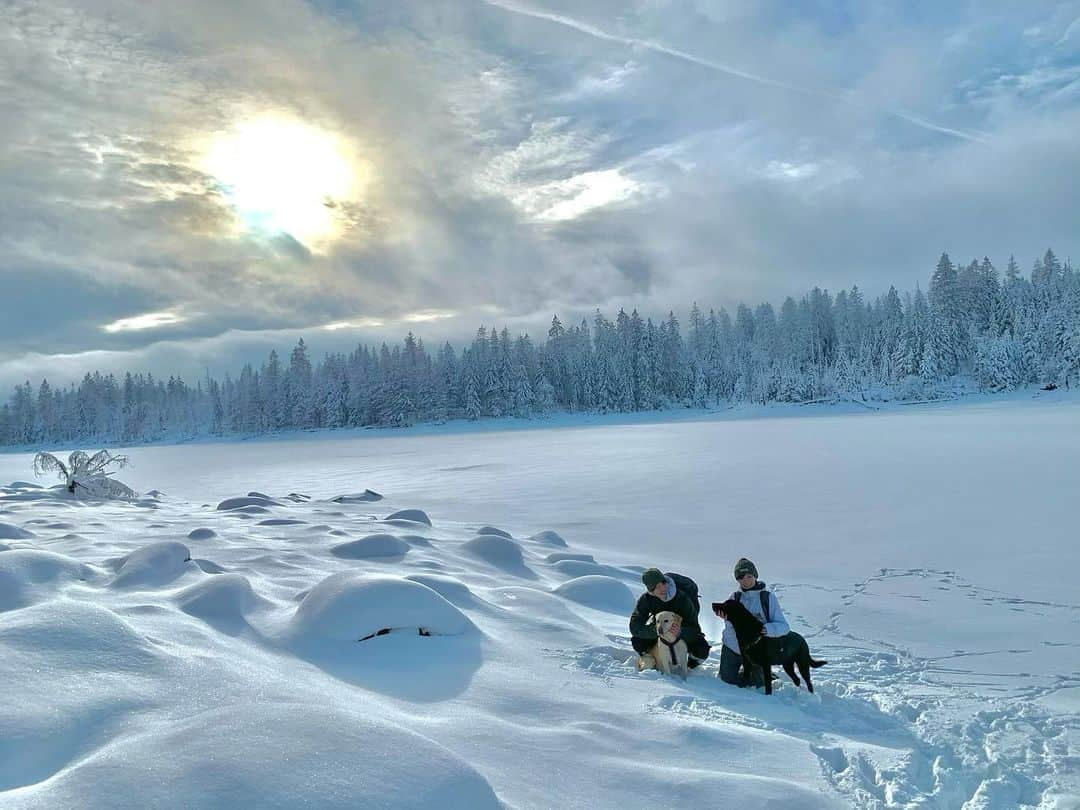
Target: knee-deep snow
(445, 645)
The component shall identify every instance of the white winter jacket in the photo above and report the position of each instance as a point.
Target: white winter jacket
(751, 600)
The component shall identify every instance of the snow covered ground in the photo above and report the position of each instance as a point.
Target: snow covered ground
(202, 647)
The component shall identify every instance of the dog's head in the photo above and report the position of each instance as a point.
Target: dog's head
(746, 624)
(667, 623)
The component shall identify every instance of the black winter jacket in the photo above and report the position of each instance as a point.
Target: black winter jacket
(684, 603)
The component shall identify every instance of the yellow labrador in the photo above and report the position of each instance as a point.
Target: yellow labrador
(670, 652)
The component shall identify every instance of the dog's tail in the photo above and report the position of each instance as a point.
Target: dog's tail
(815, 663)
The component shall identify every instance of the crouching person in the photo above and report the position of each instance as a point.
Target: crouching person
(766, 607)
(668, 592)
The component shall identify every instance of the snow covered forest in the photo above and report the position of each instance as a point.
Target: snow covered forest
(972, 328)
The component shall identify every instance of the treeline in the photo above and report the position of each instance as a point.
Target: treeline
(971, 327)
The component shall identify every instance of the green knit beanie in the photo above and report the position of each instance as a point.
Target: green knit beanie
(744, 566)
(652, 577)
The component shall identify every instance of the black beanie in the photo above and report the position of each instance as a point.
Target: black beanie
(744, 566)
(652, 577)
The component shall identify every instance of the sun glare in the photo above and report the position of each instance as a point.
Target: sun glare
(282, 175)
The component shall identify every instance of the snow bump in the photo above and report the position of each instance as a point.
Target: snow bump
(566, 555)
(23, 569)
(598, 592)
(494, 531)
(410, 515)
(549, 538)
(153, 565)
(255, 499)
(202, 534)
(350, 607)
(499, 552)
(226, 596)
(9, 531)
(367, 496)
(372, 547)
(579, 568)
(453, 590)
(337, 760)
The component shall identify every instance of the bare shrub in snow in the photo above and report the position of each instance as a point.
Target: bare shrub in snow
(91, 473)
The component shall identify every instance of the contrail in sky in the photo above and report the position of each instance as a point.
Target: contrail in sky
(720, 67)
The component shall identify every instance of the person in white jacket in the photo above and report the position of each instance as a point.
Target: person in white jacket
(763, 603)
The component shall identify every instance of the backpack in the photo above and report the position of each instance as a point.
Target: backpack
(686, 585)
(764, 603)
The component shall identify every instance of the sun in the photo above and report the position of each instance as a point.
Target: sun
(284, 176)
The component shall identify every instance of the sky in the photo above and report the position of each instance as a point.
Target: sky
(184, 186)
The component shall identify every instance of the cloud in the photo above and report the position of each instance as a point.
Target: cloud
(518, 159)
(148, 320)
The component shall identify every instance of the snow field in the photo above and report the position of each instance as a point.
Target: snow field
(196, 687)
(132, 632)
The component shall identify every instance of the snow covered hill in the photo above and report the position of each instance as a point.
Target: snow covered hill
(219, 651)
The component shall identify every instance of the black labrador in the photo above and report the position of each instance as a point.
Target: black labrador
(789, 651)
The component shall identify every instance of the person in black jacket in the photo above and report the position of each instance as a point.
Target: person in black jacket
(676, 593)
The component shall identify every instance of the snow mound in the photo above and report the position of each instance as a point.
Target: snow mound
(235, 756)
(226, 596)
(411, 515)
(372, 546)
(240, 511)
(256, 494)
(5, 547)
(57, 495)
(495, 550)
(35, 567)
(281, 522)
(9, 531)
(579, 568)
(449, 588)
(549, 538)
(566, 555)
(350, 607)
(494, 531)
(24, 485)
(367, 496)
(22, 569)
(202, 534)
(251, 500)
(68, 636)
(88, 666)
(209, 566)
(599, 592)
(417, 540)
(153, 565)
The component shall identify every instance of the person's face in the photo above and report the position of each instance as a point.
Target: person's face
(660, 591)
(747, 581)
